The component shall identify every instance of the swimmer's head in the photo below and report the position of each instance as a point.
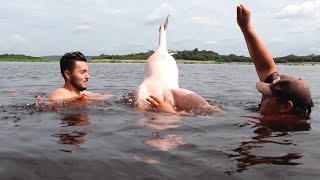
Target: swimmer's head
(287, 94)
(68, 61)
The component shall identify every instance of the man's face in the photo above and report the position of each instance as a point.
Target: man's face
(80, 76)
(269, 105)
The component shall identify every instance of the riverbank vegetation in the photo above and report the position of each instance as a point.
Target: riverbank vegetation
(186, 57)
(22, 58)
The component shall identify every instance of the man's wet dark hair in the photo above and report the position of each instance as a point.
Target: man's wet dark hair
(299, 109)
(68, 61)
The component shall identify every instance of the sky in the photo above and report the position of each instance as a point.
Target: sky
(94, 27)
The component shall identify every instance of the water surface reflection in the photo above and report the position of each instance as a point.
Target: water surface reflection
(75, 137)
(269, 136)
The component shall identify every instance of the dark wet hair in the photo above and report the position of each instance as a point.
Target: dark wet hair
(68, 61)
(299, 109)
(305, 110)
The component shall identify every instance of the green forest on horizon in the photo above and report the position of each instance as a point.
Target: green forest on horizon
(194, 55)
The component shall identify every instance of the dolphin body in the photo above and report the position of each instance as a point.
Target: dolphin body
(161, 79)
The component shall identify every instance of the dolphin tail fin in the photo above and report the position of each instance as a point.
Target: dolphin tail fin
(162, 35)
(166, 23)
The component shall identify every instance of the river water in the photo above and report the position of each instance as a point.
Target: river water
(108, 140)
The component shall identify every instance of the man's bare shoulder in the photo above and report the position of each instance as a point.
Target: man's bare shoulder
(60, 94)
(64, 94)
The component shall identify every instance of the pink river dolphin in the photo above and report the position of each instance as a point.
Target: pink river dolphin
(161, 79)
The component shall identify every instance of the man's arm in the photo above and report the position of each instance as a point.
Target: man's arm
(162, 105)
(97, 96)
(167, 107)
(259, 54)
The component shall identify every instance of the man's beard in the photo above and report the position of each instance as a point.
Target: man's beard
(77, 86)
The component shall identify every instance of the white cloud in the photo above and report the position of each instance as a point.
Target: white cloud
(135, 43)
(205, 20)
(13, 42)
(297, 29)
(211, 42)
(315, 50)
(84, 23)
(302, 29)
(17, 38)
(183, 39)
(306, 9)
(86, 20)
(158, 15)
(82, 28)
(277, 40)
(113, 12)
(2, 44)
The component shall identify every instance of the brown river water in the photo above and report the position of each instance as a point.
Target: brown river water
(108, 140)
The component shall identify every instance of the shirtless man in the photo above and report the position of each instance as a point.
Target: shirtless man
(75, 71)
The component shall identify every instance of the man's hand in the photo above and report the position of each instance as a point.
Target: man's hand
(243, 16)
(162, 105)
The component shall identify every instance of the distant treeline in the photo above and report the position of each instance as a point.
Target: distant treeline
(21, 58)
(138, 56)
(293, 58)
(194, 55)
(58, 57)
(204, 55)
(17, 56)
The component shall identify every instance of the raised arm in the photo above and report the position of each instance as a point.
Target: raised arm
(259, 54)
